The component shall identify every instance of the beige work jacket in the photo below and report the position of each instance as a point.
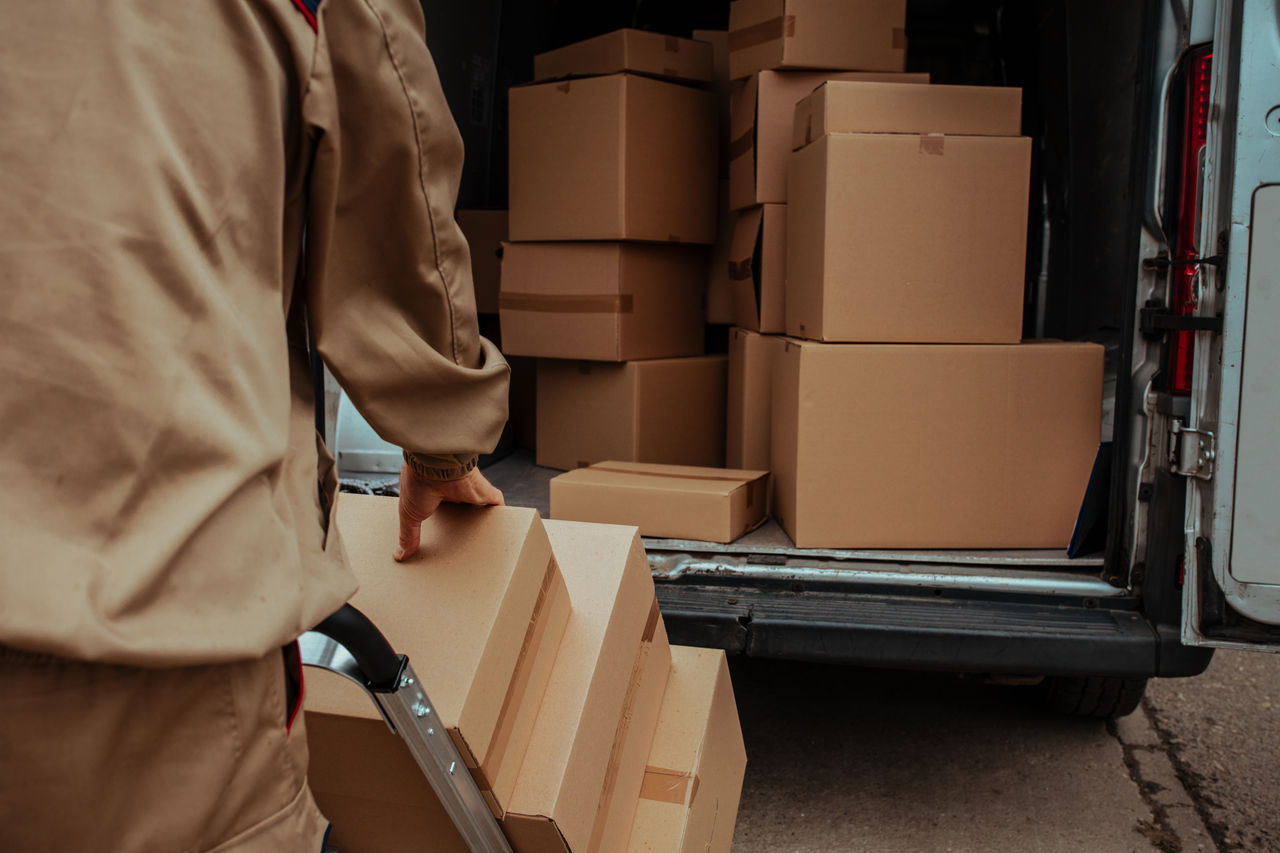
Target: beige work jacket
(163, 495)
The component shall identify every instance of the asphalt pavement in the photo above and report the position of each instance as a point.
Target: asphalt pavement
(889, 762)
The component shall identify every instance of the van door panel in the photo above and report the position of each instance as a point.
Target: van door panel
(1232, 543)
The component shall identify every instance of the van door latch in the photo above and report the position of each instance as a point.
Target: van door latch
(1155, 320)
(1192, 452)
(1162, 262)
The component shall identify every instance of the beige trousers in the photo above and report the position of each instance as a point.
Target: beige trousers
(112, 758)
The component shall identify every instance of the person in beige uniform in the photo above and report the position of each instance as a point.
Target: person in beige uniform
(165, 503)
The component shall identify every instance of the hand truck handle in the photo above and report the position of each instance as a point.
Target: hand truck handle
(378, 662)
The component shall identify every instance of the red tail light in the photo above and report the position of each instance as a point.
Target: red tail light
(1195, 127)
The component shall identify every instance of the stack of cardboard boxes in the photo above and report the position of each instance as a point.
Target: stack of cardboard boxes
(612, 208)
(544, 653)
(778, 52)
(906, 411)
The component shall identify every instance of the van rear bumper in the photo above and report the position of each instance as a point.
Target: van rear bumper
(928, 629)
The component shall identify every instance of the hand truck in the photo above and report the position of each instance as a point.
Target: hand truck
(350, 645)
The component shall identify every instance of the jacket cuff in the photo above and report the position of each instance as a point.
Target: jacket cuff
(440, 467)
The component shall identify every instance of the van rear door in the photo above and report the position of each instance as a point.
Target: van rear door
(1227, 446)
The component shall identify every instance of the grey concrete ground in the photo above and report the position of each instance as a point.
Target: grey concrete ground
(848, 759)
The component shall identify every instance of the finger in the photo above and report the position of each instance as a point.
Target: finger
(410, 531)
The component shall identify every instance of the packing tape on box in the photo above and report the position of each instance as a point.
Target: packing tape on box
(933, 143)
(624, 725)
(743, 145)
(674, 476)
(669, 786)
(766, 31)
(520, 676)
(567, 303)
(740, 270)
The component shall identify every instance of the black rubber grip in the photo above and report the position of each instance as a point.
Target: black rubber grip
(356, 633)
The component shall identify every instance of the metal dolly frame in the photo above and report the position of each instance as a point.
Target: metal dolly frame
(350, 645)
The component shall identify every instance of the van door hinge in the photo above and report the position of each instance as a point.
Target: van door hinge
(1192, 452)
(1162, 262)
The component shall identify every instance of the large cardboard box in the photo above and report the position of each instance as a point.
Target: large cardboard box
(603, 301)
(758, 268)
(761, 116)
(749, 412)
(479, 610)
(938, 446)
(897, 237)
(869, 35)
(621, 157)
(628, 50)
(864, 107)
(574, 766)
(485, 231)
(664, 410)
(670, 501)
(692, 786)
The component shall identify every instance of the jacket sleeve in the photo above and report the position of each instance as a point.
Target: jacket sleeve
(388, 272)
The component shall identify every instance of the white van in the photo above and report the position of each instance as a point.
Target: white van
(1156, 231)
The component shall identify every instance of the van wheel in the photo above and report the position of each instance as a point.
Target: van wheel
(1103, 697)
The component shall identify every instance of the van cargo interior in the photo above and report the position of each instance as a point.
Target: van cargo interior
(1088, 90)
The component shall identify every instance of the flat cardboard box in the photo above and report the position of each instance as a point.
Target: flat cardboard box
(869, 35)
(603, 301)
(571, 770)
(663, 410)
(485, 231)
(860, 107)
(758, 268)
(761, 115)
(693, 784)
(749, 413)
(621, 157)
(485, 587)
(934, 446)
(719, 288)
(720, 85)
(899, 238)
(668, 501)
(628, 50)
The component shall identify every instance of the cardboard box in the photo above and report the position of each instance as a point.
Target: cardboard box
(574, 762)
(720, 85)
(485, 587)
(719, 288)
(603, 301)
(829, 34)
(860, 107)
(761, 115)
(621, 157)
(758, 268)
(896, 238)
(365, 781)
(485, 231)
(749, 412)
(693, 784)
(628, 50)
(980, 446)
(670, 501)
(664, 410)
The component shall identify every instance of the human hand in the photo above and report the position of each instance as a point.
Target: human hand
(420, 496)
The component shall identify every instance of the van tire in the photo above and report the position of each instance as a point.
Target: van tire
(1098, 696)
